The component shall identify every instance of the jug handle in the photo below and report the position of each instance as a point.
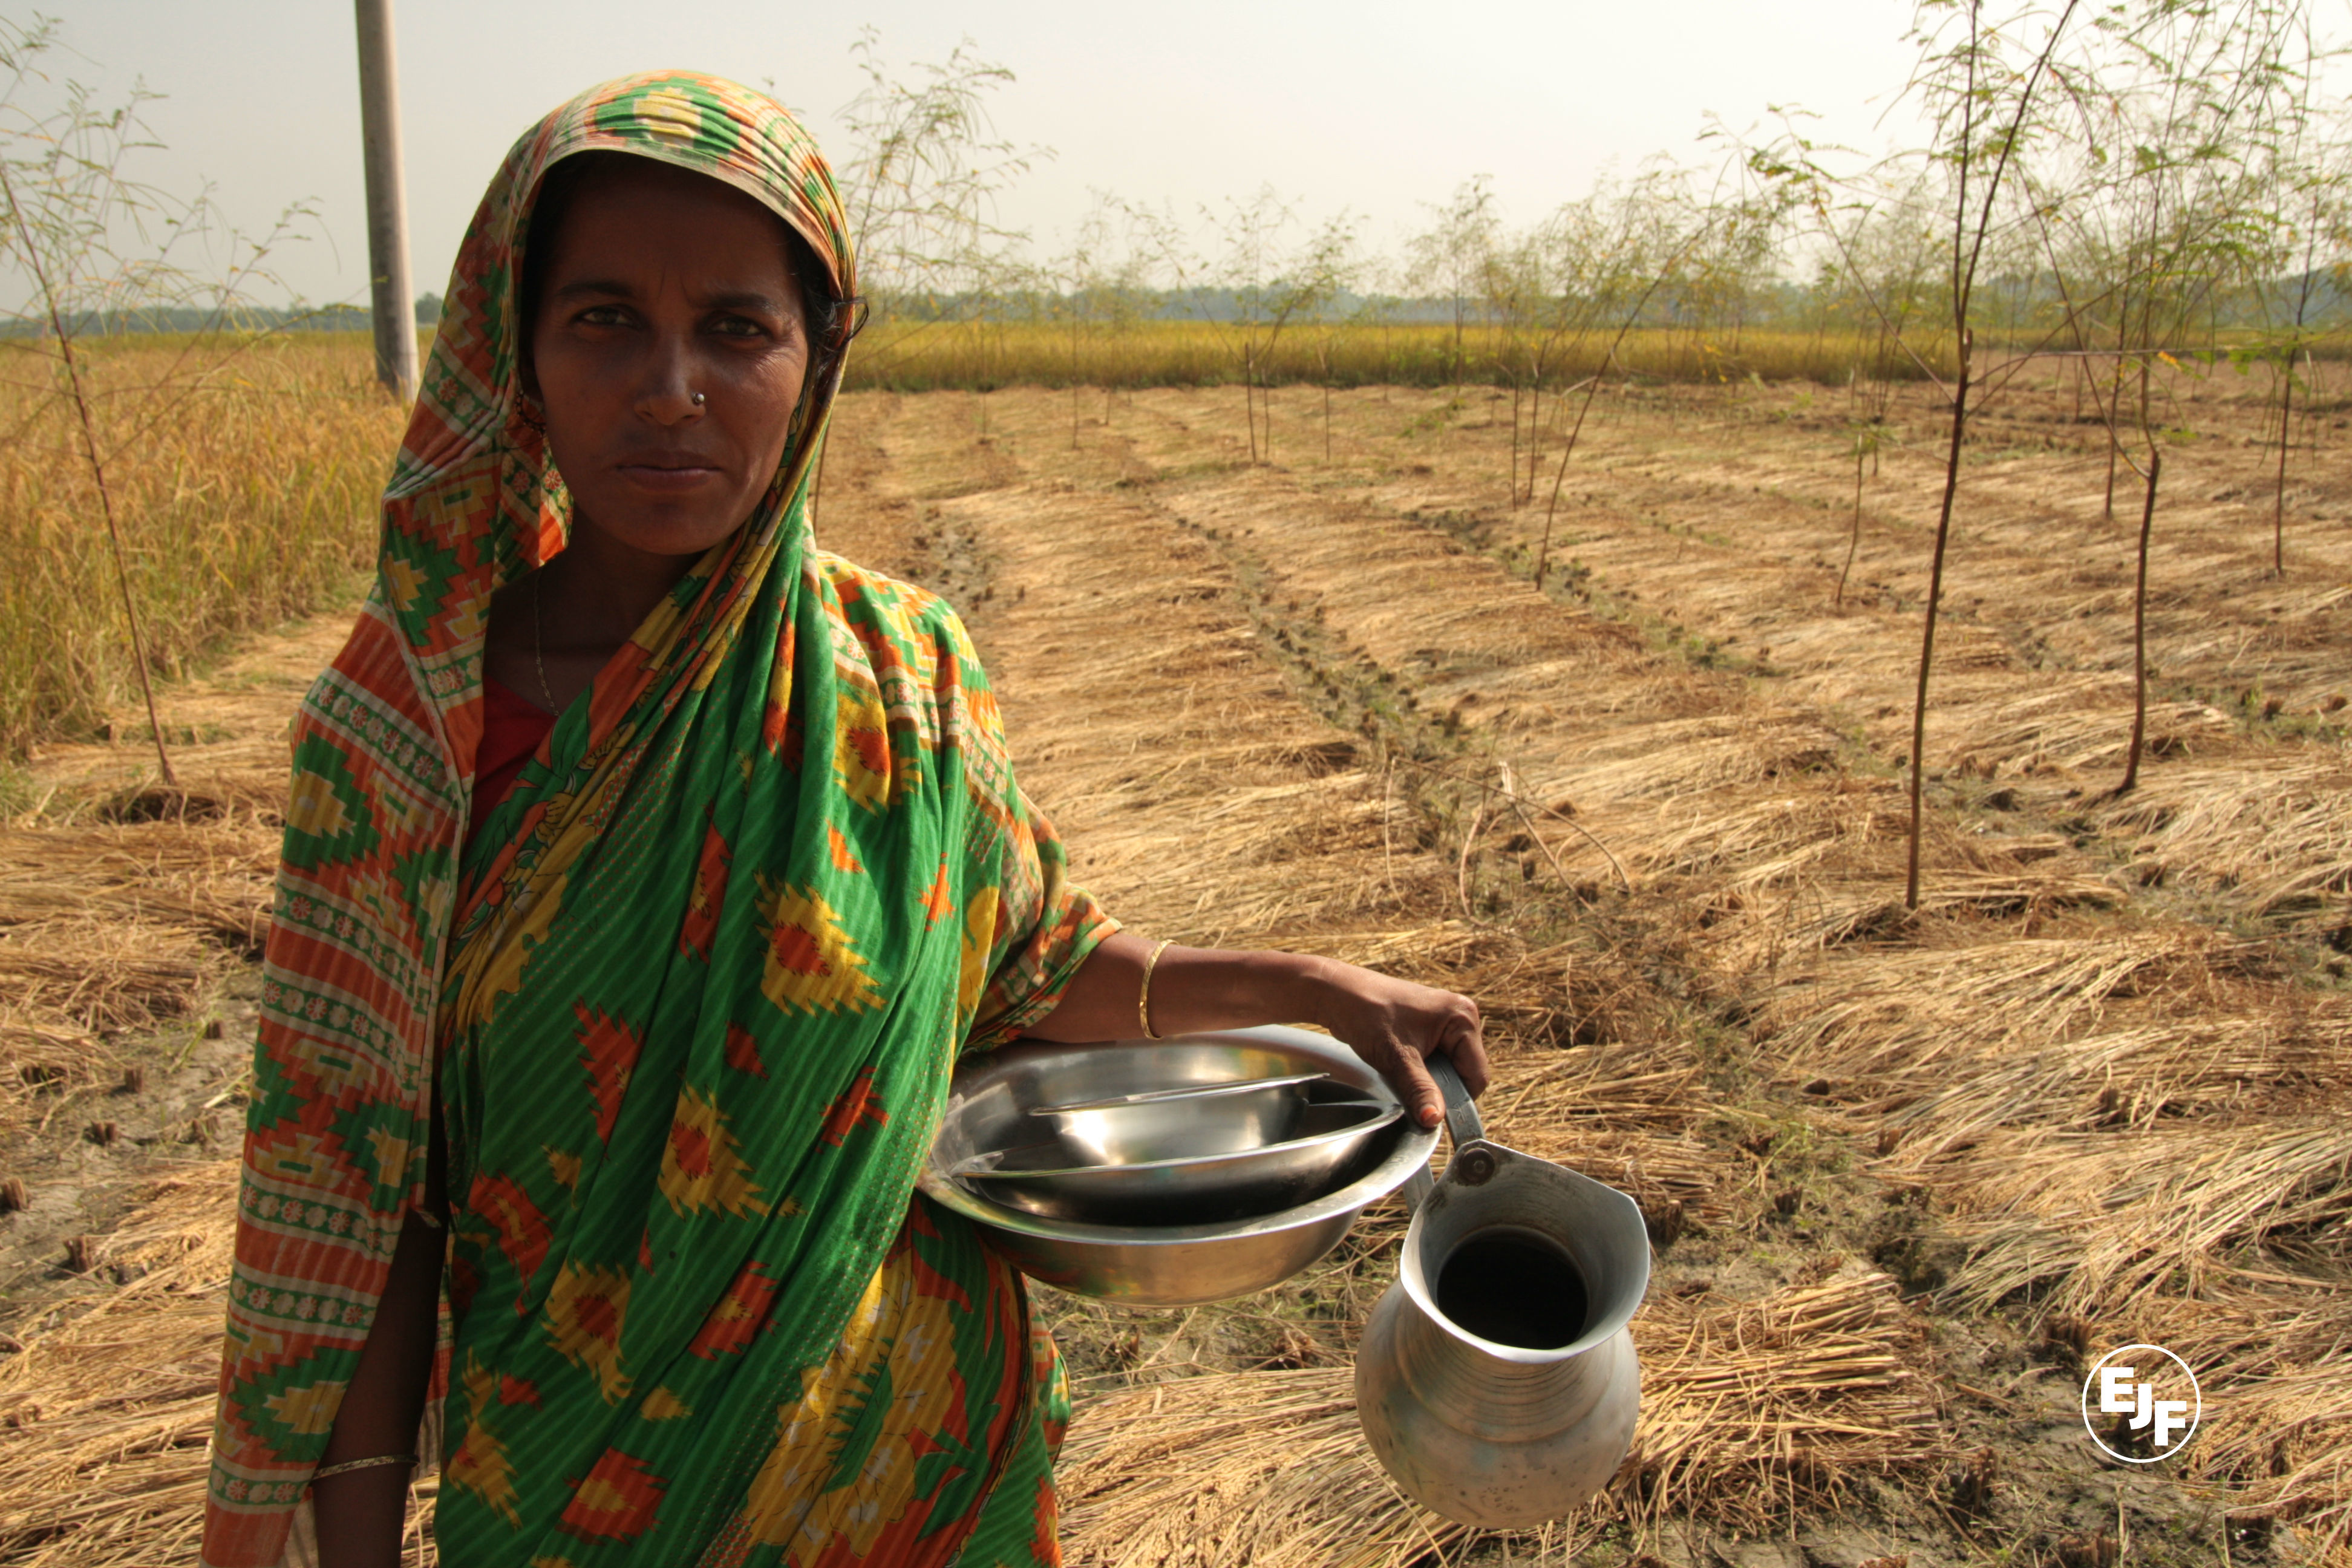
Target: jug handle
(1462, 1123)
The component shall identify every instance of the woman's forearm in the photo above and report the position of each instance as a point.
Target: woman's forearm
(362, 1514)
(1392, 1023)
(1193, 988)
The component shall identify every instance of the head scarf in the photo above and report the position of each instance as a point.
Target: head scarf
(692, 995)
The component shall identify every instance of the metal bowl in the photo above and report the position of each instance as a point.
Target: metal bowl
(1329, 1142)
(1162, 1265)
(1180, 1123)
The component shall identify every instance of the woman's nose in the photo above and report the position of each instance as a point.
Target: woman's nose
(668, 395)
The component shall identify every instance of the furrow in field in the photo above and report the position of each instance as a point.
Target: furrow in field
(2118, 1117)
(1201, 799)
(1681, 773)
(1192, 765)
(1731, 534)
(1740, 539)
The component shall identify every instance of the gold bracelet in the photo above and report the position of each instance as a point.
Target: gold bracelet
(408, 1459)
(1143, 997)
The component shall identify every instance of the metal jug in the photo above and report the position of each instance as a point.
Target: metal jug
(1497, 1382)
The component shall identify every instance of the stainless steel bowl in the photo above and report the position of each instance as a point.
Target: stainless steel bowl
(1166, 1265)
(1329, 1142)
(1180, 1123)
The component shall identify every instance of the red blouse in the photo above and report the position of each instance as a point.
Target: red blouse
(513, 727)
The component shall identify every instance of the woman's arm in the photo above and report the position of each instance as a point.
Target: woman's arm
(1392, 1024)
(362, 1514)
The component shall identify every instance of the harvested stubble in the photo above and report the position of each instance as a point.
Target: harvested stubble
(104, 1419)
(2249, 1064)
(1778, 926)
(1741, 551)
(1679, 773)
(2067, 726)
(2140, 1132)
(2102, 1222)
(1746, 1409)
(1892, 1022)
(1620, 1116)
(2272, 834)
(114, 927)
(1166, 750)
(1668, 760)
(2282, 1451)
(207, 876)
(98, 974)
(1756, 843)
(121, 899)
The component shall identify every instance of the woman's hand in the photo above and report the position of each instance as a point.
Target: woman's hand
(1396, 1025)
(1392, 1023)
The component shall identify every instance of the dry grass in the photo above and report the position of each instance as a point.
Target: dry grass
(2127, 1078)
(2067, 726)
(104, 1420)
(2099, 1222)
(1892, 1022)
(2273, 835)
(1620, 1116)
(2284, 1450)
(1208, 803)
(1749, 1410)
(112, 927)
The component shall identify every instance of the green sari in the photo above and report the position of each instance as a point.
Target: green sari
(709, 966)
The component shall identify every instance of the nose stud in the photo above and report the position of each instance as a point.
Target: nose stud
(698, 400)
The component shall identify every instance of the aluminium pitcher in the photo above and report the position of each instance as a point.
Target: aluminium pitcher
(1497, 1382)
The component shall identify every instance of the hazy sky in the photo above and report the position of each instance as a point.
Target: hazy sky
(1372, 105)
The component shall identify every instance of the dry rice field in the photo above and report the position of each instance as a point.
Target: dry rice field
(1906, 1173)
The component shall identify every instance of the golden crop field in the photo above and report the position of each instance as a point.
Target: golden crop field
(242, 477)
(983, 355)
(1904, 1170)
(243, 472)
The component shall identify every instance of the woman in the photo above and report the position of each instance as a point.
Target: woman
(645, 871)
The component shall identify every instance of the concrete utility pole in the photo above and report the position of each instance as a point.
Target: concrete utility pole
(393, 296)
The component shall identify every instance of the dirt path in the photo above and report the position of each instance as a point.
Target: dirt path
(1903, 1170)
(130, 917)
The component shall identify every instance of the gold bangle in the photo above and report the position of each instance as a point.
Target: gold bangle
(407, 1459)
(1143, 997)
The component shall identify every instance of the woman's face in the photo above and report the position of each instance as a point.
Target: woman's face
(664, 287)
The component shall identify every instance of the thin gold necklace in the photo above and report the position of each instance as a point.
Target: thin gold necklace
(538, 653)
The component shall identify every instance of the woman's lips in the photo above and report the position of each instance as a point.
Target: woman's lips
(668, 479)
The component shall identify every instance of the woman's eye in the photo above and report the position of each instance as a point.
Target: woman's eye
(602, 316)
(738, 327)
